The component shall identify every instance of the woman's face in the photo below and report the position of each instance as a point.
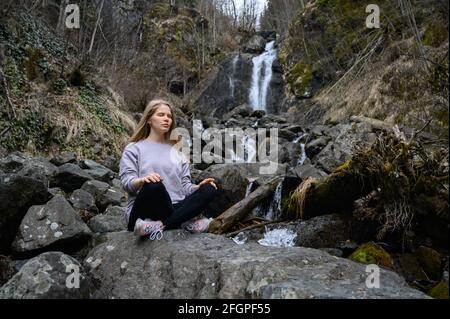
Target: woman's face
(161, 120)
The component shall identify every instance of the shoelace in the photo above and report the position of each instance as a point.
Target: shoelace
(154, 232)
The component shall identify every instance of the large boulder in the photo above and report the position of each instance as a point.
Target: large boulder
(17, 194)
(187, 266)
(104, 194)
(70, 177)
(51, 275)
(342, 140)
(35, 167)
(97, 171)
(255, 45)
(231, 183)
(55, 224)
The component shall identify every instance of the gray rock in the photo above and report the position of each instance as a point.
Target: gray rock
(38, 168)
(295, 128)
(47, 276)
(211, 266)
(333, 251)
(104, 194)
(286, 134)
(308, 170)
(255, 45)
(70, 177)
(13, 162)
(56, 191)
(231, 184)
(64, 158)
(115, 183)
(95, 188)
(97, 171)
(80, 199)
(315, 146)
(17, 194)
(111, 221)
(113, 163)
(45, 226)
(344, 137)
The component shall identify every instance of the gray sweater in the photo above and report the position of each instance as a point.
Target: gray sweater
(145, 157)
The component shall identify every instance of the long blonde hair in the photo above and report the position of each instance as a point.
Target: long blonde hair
(143, 128)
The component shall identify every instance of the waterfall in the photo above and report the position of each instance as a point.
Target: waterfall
(302, 158)
(248, 145)
(231, 78)
(261, 77)
(271, 210)
(275, 205)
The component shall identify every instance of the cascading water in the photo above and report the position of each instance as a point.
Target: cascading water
(231, 77)
(301, 160)
(261, 77)
(272, 209)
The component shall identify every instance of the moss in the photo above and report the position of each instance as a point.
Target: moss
(29, 128)
(430, 260)
(59, 86)
(435, 34)
(299, 78)
(160, 11)
(91, 99)
(440, 291)
(343, 167)
(372, 253)
(14, 75)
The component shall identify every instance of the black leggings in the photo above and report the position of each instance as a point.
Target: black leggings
(153, 201)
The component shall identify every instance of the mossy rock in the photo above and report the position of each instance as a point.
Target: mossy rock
(440, 291)
(435, 34)
(299, 78)
(431, 261)
(371, 253)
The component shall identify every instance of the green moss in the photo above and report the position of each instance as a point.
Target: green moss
(440, 291)
(14, 75)
(90, 98)
(29, 128)
(299, 78)
(435, 34)
(59, 86)
(343, 167)
(430, 260)
(371, 253)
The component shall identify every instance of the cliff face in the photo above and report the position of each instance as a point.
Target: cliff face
(396, 73)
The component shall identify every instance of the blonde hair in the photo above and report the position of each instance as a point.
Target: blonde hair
(143, 128)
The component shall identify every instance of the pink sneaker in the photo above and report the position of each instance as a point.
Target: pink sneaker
(197, 225)
(148, 228)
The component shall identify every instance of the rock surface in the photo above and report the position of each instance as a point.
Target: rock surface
(45, 277)
(182, 265)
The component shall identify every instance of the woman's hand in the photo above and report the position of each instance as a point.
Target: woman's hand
(210, 181)
(151, 178)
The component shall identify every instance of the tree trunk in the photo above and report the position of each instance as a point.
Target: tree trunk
(96, 25)
(238, 211)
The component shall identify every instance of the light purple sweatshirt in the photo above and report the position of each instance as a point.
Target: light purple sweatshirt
(145, 157)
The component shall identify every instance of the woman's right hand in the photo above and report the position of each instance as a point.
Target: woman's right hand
(151, 178)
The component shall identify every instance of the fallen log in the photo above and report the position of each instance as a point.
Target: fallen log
(377, 124)
(222, 223)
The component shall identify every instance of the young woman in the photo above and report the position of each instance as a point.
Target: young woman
(157, 178)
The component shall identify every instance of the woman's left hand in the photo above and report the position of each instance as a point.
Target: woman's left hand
(210, 181)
